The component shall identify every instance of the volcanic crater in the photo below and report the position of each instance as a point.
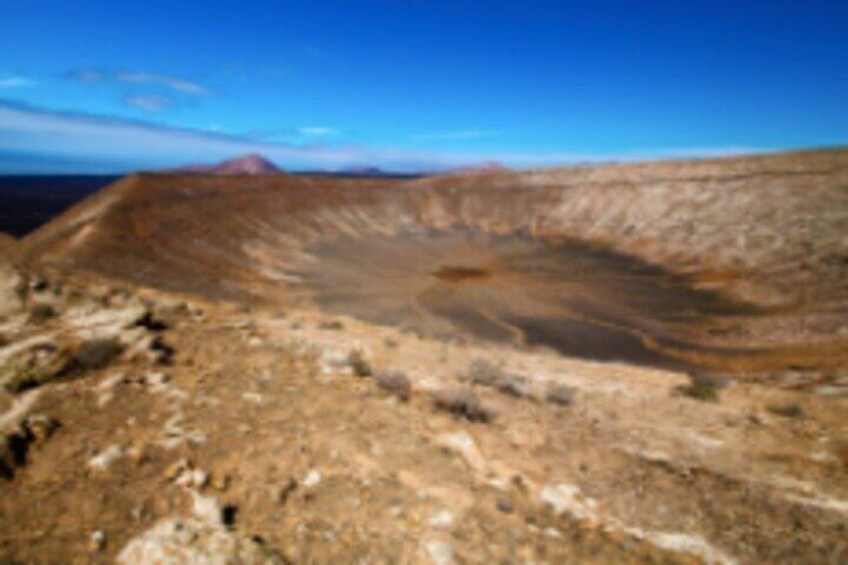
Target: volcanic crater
(726, 264)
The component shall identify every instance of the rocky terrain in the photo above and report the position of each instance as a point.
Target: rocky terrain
(184, 376)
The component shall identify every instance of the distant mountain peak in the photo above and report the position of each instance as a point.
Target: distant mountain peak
(250, 164)
(484, 167)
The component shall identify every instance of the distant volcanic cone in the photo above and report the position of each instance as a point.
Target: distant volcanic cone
(251, 164)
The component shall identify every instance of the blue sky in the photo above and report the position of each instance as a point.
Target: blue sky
(406, 84)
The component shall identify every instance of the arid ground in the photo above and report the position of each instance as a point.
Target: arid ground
(608, 364)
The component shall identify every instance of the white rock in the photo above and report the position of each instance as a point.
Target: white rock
(312, 478)
(103, 460)
(439, 552)
(442, 519)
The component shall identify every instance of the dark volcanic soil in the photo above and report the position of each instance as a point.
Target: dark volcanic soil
(581, 300)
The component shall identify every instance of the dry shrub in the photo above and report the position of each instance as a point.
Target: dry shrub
(40, 313)
(560, 394)
(462, 402)
(361, 367)
(97, 353)
(702, 387)
(485, 373)
(788, 410)
(395, 382)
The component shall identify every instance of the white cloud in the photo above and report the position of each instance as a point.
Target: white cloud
(148, 102)
(461, 134)
(171, 82)
(15, 82)
(69, 136)
(318, 131)
(86, 75)
(174, 83)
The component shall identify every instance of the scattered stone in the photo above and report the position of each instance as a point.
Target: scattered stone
(253, 397)
(395, 382)
(442, 519)
(97, 541)
(463, 403)
(313, 478)
(439, 552)
(192, 478)
(104, 459)
(40, 426)
(177, 541)
(505, 505)
(568, 498)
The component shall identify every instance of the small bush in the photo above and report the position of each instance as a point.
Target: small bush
(356, 360)
(485, 373)
(702, 387)
(560, 394)
(788, 410)
(97, 353)
(330, 325)
(395, 382)
(462, 402)
(40, 313)
(514, 385)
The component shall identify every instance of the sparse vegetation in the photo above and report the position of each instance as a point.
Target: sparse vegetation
(462, 402)
(361, 367)
(484, 373)
(40, 313)
(702, 387)
(395, 382)
(97, 353)
(560, 394)
(330, 325)
(787, 410)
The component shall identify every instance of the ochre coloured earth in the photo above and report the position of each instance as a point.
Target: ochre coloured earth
(734, 265)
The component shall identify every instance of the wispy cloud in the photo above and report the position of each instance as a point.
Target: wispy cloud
(460, 134)
(15, 81)
(318, 131)
(72, 136)
(174, 83)
(148, 102)
(89, 76)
